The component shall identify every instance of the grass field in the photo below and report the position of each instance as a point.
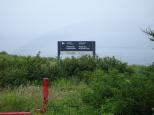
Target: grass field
(77, 86)
(64, 97)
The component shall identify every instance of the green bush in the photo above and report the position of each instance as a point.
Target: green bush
(112, 87)
(121, 95)
(72, 66)
(16, 70)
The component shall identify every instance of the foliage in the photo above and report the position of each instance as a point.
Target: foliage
(119, 94)
(150, 33)
(64, 98)
(19, 99)
(16, 70)
(85, 85)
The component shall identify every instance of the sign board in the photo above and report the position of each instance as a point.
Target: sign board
(77, 46)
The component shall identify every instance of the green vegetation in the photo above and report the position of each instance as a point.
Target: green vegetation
(78, 86)
(150, 33)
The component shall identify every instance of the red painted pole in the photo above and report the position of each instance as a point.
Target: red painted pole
(15, 113)
(44, 94)
(45, 89)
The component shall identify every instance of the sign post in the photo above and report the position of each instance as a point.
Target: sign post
(78, 46)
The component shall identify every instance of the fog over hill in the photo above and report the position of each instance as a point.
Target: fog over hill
(31, 26)
(111, 38)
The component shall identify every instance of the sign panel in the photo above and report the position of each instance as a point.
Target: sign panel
(76, 46)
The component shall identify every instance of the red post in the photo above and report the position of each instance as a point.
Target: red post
(15, 113)
(45, 89)
(44, 94)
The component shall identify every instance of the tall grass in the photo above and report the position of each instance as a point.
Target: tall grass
(64, 97)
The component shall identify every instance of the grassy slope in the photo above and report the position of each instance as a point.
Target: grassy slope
(104, 83)
(63, 95)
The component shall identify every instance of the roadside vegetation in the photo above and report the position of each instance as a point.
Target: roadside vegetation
(77, 86)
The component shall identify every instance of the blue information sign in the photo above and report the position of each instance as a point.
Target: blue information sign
(76, 46)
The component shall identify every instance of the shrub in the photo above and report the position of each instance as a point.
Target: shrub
(121, 95)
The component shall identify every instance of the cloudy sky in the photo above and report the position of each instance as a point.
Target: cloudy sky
(29, 26)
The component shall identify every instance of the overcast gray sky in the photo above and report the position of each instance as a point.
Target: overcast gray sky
(28, 26)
